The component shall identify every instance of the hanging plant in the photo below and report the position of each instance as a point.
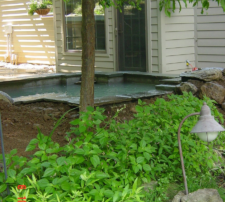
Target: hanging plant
(41, 8)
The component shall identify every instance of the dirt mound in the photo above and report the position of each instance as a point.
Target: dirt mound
(20, 122)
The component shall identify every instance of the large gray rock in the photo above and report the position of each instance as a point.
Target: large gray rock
(203, 195)
(197, 83)
(208, 74)
(219, 68)
(213, 91)
(186, 86)
(6, 97)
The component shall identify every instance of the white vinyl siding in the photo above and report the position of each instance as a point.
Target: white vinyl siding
(154, 36)
(32, 37)
(178, 40)
(71, 62)
(211, 37)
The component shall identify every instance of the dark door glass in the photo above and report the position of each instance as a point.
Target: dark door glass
(131, 41)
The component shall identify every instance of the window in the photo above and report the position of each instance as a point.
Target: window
(73, 18)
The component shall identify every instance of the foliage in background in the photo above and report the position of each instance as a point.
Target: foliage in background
(109, 161)
(116, 3)
(169, 5)
(35, 5)
(99, 10)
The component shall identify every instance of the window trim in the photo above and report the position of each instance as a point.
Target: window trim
(79, 52)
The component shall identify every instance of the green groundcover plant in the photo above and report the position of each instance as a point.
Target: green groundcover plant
(110, 161)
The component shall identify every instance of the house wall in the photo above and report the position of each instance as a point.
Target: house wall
(210, 36)
(186, 35)
(71, 62)
(177, 40)
(154, 37)
(33, 36)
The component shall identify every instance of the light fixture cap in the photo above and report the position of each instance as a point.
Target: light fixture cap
(206, 122)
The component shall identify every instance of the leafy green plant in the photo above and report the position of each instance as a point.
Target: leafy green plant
(111, 160)
(171, 5)
(35, 5)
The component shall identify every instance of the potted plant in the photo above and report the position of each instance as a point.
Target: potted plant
(41, 8)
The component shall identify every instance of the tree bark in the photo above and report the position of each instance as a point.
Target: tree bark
(88, 55)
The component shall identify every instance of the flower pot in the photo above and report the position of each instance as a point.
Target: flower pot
(43, 11)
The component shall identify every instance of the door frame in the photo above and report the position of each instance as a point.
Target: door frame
(147, 37)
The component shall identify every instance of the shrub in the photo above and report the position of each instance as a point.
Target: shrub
(105, 160)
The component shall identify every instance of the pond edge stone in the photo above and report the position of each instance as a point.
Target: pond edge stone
(4, 96)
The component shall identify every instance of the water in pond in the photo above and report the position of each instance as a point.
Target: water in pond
(101, 90)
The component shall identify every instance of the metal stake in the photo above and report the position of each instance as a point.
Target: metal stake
(3, 153)
(180, 150)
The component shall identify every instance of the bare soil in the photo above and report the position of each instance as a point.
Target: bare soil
(20, 122)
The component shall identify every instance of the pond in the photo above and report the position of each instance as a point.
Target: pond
(100, 90)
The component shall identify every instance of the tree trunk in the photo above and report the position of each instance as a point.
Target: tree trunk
(88, 55)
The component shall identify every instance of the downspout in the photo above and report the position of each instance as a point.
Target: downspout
(8, 31)
(7, 56)
(10, 47)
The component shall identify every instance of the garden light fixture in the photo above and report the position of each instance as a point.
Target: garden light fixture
(207, 130)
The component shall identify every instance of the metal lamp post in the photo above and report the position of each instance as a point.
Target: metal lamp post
(206, 128)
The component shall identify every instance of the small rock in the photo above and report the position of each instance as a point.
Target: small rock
(57, 114)
(187, 87)
(61, 109)
(48, 110)
(132, 109)
(37, 109)
(178, 197)
(36, 126)
(213, 91)
(73, 116)
(46, 117)
(60, 133)
(223, 106)
(203, 195)
(15, 120)
(7, 121)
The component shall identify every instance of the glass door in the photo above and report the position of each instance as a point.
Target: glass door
(131, 38)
